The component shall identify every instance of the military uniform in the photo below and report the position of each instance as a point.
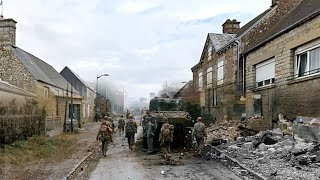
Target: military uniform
(131, 129)
(104, 135)
(165, 138)
(150, 128)
(199, 132)
(121, 124)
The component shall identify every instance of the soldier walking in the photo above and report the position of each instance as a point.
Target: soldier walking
(104, 135)
(131, 129)
(165, 138)
(199, 133)
(121, 124)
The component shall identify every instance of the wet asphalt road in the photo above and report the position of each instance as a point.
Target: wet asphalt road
(123, 164)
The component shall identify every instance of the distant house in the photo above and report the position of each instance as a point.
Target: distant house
(283, 66)
(85, 91)
(26, 71)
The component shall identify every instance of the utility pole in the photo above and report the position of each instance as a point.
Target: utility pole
(65, 111)
(72, 108)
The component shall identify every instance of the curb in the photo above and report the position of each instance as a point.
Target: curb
(71, 173)
(255, 174)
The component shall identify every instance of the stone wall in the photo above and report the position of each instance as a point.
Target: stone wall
(13, 71)
(290, 97)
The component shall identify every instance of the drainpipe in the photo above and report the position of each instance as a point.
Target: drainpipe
(238, 64)
(243, 74)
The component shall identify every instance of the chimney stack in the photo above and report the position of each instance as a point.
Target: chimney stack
(231, 26)
(7, 32)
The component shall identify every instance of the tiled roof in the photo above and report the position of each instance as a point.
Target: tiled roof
(251, 23)
(306, 10)
(220, 40)
(39, 69)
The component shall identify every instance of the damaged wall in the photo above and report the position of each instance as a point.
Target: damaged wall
(291, 96)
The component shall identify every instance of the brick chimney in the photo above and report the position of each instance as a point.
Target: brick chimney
(7, 32)
(231, 26)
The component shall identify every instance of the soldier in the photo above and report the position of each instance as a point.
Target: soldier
(104, 135)
(131, 129)
(165, 138)
(121, 124)
(199, 132)
(127, 114)
(150, 129)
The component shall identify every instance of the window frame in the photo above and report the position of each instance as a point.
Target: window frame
(220, 80)
(297, 59)
(46, 92)
(265, 82)
(200, 80)
(209, 74)
(209, 53)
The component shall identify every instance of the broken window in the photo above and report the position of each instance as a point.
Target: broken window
(200, 81)
(265, 73)
(220, 73)
(209, 77)
(307, 62)
(257, 105)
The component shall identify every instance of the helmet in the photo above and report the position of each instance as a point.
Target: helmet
(130, 116)
(104, 123)
(199, 119)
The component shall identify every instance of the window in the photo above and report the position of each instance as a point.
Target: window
(265, 73)
(209, 77)
(220, 73)
(200, 81)
(209, 53)
(46, 92)
(214, 98)
(307, 62)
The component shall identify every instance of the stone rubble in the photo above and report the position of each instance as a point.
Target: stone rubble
(274, 153)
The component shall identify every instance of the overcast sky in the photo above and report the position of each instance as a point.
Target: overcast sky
(140, 43)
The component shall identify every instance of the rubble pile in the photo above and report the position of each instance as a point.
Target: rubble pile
(275, 154)
(225, 131)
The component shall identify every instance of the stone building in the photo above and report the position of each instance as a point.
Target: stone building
(85, 91)
(220, 75)
(283, 66)
(26, 71)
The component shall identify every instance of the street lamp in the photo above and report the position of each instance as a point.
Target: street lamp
(97, 94)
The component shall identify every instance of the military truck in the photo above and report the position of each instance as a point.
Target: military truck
(169, 108)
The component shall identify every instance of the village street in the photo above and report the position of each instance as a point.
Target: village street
(123, 164)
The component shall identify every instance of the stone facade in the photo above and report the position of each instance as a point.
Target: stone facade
(288, 95)
(13, 71)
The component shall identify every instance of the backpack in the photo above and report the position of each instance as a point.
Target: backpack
(130, 127)
(105, 134)
(166, 134)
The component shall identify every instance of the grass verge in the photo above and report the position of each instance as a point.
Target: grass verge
(49, 149)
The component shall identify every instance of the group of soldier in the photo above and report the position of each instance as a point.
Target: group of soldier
(129, 128)
(106, 131)
(166, 135)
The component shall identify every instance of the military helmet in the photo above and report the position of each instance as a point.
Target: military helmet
(104, 123)
(130, 116)
(199, 119)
